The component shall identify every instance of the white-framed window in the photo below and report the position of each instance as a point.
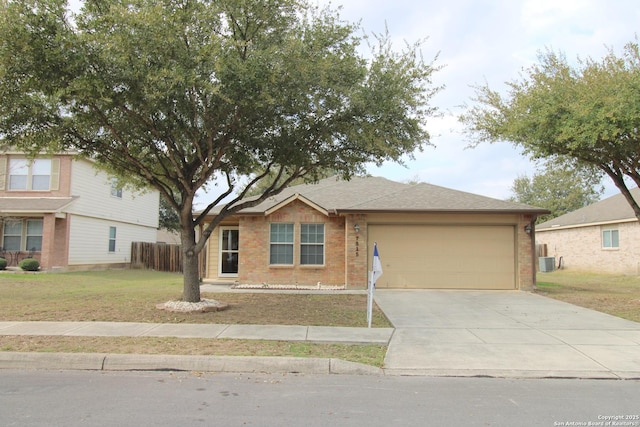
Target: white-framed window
(22, 235)
(12, 235)
(28, 175)
(33, 235)
(281, 244)
(312, 244)
(610, 238)
(112, 239)
(116, 189)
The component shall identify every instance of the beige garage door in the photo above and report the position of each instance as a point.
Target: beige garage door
(445, 257)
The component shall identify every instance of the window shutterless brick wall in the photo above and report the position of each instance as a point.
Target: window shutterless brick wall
(581, 248)
(254, 267)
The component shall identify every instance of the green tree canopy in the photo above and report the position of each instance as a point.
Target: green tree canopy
(169, 93)
(168, 218)
(559, 188)
(589, 113)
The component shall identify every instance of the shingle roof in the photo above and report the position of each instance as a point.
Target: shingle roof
(375, 194)
(22, 205)
(610, 210)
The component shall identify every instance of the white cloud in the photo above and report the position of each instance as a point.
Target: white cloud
(489, 41)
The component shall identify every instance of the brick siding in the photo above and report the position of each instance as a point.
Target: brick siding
(581, 248)
(254, 265)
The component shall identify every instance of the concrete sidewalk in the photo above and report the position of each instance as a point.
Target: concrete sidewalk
(505, 334)
(312, 334)
(315, 334)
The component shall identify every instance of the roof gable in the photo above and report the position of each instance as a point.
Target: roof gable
(293, 198)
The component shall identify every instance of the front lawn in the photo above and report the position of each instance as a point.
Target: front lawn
(132, 296)
(612, 294)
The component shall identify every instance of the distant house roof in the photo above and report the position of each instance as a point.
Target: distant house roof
(610, 210)
(374, 194)
(30, 205)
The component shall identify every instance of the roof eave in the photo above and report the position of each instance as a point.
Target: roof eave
(587, 224)
(445, 211)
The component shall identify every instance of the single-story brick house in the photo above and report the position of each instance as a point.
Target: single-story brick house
(602, 237)
(427, 236)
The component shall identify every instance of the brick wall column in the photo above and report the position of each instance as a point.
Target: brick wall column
(526, 252)
(356, 251)
(48, 241)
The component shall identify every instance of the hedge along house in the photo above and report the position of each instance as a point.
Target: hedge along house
(427, 236)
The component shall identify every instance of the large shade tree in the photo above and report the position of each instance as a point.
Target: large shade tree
(170, 93)
(558, 187)
(588, 112)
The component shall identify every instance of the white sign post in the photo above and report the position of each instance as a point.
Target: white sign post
(374, 275)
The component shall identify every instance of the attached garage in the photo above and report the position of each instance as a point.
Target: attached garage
(446, 256)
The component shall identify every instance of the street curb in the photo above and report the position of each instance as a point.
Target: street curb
(153, 362)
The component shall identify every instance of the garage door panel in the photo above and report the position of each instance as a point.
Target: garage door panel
(445, 257)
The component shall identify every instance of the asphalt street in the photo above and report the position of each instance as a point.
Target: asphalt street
(90, 398)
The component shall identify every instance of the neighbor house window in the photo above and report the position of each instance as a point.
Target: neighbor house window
(312, 244)
(12, 235)
(40, 174)
(116, 189)
(281, 244)
(26, 175)
(13, 232)
(34, 235)
(610, 238)
(112, 239)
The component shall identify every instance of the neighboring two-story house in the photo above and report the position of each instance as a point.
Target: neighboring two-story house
(69, 215)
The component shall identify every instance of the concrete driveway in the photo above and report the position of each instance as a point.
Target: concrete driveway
(506, 334)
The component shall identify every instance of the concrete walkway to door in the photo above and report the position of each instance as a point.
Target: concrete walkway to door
(505, 334)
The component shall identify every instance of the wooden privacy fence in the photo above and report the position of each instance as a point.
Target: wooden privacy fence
(156, 256)
(163, 257)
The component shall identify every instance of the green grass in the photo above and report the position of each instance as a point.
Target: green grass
(617, 295)
(369, 354)
(132, 296)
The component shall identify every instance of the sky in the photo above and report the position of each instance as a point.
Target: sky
(480, 41)
(490, 41)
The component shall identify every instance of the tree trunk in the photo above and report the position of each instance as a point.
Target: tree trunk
(190, 267)
(618, 180)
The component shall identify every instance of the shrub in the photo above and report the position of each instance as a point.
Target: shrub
(29, 264)
(3, 263)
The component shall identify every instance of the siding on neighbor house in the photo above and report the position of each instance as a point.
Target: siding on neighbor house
(89, 240)
(95, 200)
(581, 248)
